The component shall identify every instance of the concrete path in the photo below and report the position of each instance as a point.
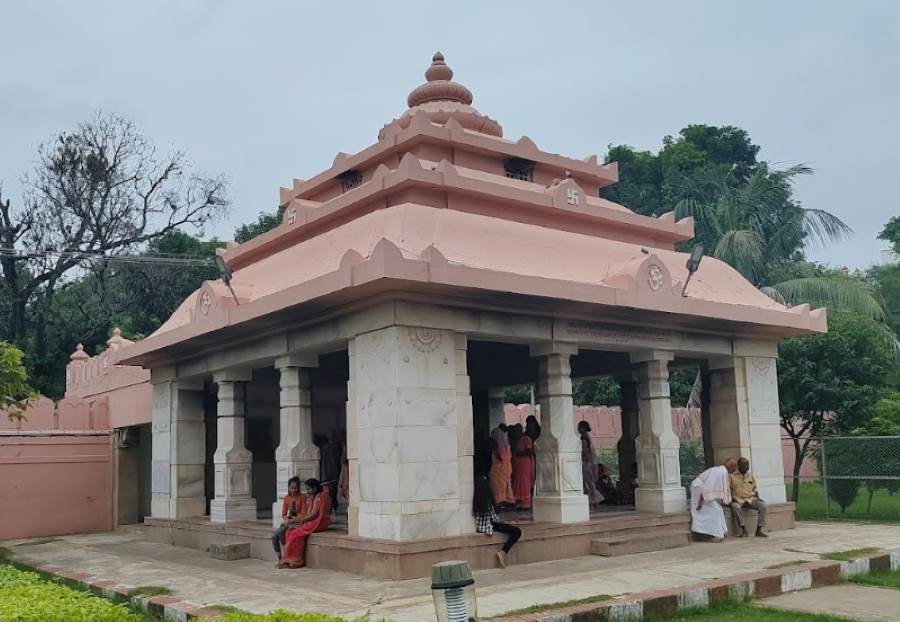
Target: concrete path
(126, 557)
(857, 602)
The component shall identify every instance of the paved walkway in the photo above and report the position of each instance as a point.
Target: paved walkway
(256, 586)
(857, 602)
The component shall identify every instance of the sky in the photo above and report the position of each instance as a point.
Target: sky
(268, 91)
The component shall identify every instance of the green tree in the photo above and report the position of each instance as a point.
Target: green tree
(265, 222)
(830, 383)
(15, 392)
(891, 233)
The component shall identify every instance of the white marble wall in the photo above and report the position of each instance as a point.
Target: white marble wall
(745, 418)
(559, 496)
(178, 450)
(659, 470)
(296, 454)
(233, 461)
(409, 434)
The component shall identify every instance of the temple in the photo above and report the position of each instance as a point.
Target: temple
(409, 284)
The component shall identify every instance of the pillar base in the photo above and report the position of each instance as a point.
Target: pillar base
(230, 510)
(561, 509)
(184, 507)
(660, 500)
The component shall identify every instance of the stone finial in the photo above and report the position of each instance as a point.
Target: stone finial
(439, 85)
(117, 340)
(79, 355)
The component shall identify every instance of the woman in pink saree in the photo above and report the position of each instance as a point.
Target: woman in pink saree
(500, 477)
(317, 518)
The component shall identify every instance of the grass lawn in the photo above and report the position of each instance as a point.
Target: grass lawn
(811, 505)
(744, 612)
(879, 579)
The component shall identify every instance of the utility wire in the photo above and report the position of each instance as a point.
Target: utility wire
(150, 258)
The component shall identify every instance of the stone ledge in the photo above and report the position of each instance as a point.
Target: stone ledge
(740, 587)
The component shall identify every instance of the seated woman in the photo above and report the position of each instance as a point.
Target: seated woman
(486, 520)
(605, 485)
(293, 507)
(317, 517)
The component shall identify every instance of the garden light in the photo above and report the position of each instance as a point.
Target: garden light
(693, 263)
(453, 589)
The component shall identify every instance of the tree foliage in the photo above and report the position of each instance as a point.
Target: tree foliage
(15, 391)
(264, 222)
(891, 233)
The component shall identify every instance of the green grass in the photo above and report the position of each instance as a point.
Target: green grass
(560, 605)
(744, 612)
(879, 579)
(281, 615)
(26, 596)
(811, 505)
(149, 590)
(850, 554)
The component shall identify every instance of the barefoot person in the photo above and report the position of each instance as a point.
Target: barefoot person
(293, 506)
(316, 519)
(745, 494)
(486, 520)
(710, 491)
(588, 468)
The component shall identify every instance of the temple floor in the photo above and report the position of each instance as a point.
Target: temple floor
(127, 557)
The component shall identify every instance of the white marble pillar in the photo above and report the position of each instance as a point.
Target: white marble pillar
(559, 497)
(745, 415)
(496, 407)
(296, 454)
(178, 448)
(465, 435)
(408, 454)
(233, 461)
(659, 470)
(629, 413)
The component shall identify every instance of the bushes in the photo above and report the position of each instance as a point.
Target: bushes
(26, 597)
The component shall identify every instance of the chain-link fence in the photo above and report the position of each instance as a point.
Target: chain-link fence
(860, 476)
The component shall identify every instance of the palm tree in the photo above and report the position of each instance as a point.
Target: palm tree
(754, 226)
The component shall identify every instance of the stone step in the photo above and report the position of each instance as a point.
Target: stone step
(613, 546)
(229, 551)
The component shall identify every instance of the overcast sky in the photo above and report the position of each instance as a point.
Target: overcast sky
(267, 91)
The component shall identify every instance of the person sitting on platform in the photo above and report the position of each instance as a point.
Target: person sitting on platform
(315, 519)
(605, 484)
(710, 492)
(486, 519)
(293, 506)
(745, 494)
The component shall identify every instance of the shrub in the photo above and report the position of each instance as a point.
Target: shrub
(26, 597)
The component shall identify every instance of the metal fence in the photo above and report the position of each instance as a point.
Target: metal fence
(860, 476)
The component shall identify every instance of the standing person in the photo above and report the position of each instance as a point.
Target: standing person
(745, 494)
(316, 519)
(329, 464)
(486, 520)
(500, 476)
(293, 506)
(533, 430)
(522, 465)
(588, 468)
(710, 492)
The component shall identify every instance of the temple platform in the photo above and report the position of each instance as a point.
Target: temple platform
(335, 549)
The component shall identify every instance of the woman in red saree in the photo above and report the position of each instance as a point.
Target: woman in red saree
(522, 466)
(317, 517)
(500, 476)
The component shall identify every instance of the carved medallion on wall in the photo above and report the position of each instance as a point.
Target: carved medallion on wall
(655, 277)
(425, 340)
(205, 303)
(761, 365)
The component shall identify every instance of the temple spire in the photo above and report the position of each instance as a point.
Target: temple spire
(439, 85)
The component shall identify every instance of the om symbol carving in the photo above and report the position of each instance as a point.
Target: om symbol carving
(655, 277)
(424, 340)
(205, 303)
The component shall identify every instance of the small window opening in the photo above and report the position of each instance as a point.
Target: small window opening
(350, 179)
(517, 168)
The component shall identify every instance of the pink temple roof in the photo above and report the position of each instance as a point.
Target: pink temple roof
(430, 206)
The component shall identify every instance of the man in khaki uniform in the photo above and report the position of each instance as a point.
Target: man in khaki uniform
(744, 494)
